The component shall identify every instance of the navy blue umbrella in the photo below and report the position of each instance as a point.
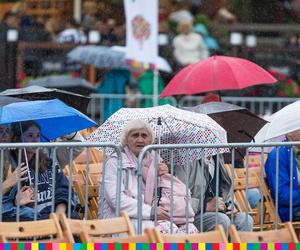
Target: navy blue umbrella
(55, 117)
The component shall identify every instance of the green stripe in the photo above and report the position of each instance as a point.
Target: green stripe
(187, 246)
(146, 246)
(256, 246)
(21, 246)
(83, 246)
(118, 246)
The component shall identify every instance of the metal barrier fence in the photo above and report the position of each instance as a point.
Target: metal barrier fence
(103, 105)
(118, 181)
(257, 105)
(233, 147)
(46, 188)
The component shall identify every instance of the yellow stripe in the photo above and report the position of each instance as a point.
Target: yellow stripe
(201, 246)
(35, 246)
(90, 246)
(62, 246)
(271, 246)
(229, 246)
(131, 246)
(159, 246)
(243, 246)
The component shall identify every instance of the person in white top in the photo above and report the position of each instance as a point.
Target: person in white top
(189, 47)
(72, 33)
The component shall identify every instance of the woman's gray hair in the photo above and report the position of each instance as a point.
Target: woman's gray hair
(133, 125)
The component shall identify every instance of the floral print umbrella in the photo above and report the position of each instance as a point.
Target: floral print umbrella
(177, 127)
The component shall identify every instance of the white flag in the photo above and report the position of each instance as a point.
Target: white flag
(142, 30)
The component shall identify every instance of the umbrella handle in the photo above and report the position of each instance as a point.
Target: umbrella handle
(159, 194)
(246, 133)
(28, 172)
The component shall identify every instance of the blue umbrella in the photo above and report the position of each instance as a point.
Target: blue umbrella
(55, 117)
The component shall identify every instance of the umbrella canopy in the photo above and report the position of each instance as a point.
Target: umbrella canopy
(282, 122)
(217, 73)
(4, 100)
(55, 117)
(240, 124)
(77, 101)
(65, 82)
(108, 57)
(177, 126)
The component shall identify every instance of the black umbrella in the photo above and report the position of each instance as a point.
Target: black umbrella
(241, 125)
(65, 82)
(77, 101)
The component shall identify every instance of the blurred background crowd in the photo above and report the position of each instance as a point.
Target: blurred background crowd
(36, 35)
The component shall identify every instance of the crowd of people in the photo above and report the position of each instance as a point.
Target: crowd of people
(193, 211)
(207, 199)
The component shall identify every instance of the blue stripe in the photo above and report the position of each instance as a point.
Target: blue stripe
(76, 246)
(174, 246)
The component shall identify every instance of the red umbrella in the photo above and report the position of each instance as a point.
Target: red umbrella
(217, 73)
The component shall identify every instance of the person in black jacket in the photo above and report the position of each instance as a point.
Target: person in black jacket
(48, 173)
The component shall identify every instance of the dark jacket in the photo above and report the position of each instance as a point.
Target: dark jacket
(45, 189)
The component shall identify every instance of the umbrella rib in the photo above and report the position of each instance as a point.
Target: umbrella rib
(244, 71)
(171, 132)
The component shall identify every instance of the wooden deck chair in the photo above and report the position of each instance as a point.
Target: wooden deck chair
(269, 207)
(149, 236)
(95, 156)
(95, 171)
(87, 132)
(217, 236)
(93, 194)
(296, 226)
(94, 168)
(252, 172)
(94, 229)
(41, 230)
(241, 172)
(285, 234)
(254, 160)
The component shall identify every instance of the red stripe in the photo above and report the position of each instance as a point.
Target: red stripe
(236, 246)
(125, 246)
(111, 246)
(292, 246)
(180, 246)
(215, 246)
(48, 246)
(13, 246)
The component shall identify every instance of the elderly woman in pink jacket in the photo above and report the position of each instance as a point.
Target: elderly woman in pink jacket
(136, 135)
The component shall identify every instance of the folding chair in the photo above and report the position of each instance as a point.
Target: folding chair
(149, 236)
(217, 236)
(92, 230)
(285, 234)
(41, 230)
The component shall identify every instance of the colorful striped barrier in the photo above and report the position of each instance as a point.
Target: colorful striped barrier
(149, 246)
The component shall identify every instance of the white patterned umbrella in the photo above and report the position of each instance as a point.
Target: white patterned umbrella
(177, 127)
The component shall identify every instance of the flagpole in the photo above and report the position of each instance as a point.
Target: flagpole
(77, 10)
(155, 88)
